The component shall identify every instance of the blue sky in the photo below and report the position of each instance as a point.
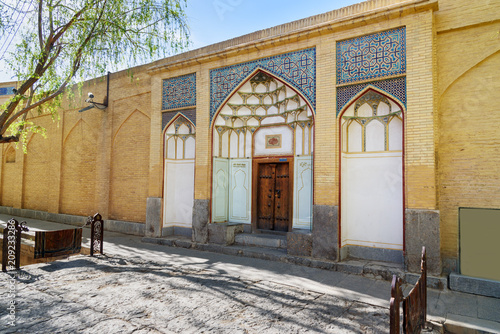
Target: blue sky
(213, 21)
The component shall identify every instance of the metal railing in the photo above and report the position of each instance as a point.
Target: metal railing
(414, 305)
(96, 233)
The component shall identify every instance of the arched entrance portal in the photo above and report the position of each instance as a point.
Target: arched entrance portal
(178, 188)
(263, 157)
(371, 213)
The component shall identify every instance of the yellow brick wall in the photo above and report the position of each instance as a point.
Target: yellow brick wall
(468, 39)
(7, 179)
(130, 159)
(451, 151)
(78, 167)
(37, 174)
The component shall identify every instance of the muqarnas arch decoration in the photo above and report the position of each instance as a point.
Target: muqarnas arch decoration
(264, 119)
(297, 68)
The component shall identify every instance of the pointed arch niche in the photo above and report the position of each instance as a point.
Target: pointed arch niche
(264, 120)
(178, 187)
(372, 203)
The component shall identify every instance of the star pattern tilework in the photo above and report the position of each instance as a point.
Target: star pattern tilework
(372, 56)
(179, 92)
(297, 68)
(395, 87)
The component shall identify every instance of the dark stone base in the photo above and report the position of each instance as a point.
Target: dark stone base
(450, 265)
(477, 286)
(325, 232)
(422, 229)
(153, 217)
(177, 230)
(109, 225)
(373, 254)
(299, 243)
(200, 220)
(223, 233)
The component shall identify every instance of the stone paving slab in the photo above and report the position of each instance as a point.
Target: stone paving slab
(129, 258)
(114, 294)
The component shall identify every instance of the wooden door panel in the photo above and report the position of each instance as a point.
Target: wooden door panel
(265, 196)
(282, 199)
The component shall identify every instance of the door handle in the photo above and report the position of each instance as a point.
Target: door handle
(278, 193)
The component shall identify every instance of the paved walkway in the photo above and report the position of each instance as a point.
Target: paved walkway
(147, 288)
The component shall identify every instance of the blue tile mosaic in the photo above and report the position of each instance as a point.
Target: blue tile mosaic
(372, 56)
(297, 68)
(6, 90)
(179, 92)
(395, 87)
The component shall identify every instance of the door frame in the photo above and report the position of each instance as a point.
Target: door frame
(255, 181)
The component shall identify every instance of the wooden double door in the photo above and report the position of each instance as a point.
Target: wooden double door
(273, 199)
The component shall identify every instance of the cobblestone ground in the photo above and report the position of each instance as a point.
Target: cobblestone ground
(117, 295)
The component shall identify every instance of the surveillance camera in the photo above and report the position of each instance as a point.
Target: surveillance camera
(91, 96)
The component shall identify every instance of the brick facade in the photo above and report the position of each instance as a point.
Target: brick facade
(111, 161)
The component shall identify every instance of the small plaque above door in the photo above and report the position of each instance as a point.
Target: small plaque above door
(273, 141)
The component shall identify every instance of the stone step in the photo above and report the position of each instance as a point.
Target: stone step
(260, 240)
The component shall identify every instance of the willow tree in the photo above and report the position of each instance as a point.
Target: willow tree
(62, 42)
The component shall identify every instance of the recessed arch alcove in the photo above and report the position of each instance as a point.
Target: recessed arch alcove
(371, 177)
(262, 150)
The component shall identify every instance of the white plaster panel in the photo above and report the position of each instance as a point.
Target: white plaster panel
(220, 187)
(306, 141)
(260, 88)
(215, 143)
(234, 145)
(286, 140)
(354, 139)
(252, 122)
(260, 111)
(219, 121)
(365, 111)
(243, 111)
(248, 148)
(225, 144)
(241, 149)
(238, 123)
(303, 116)
(226, 110)
(247, 87)
(183, 129)
(395, 135)
(253, 100)
(190, 148)
(273, 120)
(383, 109)
(170, 147)
(375, 136)
(372, 200)
(180, 149)
(303, 191)
(312, 140)
(178, 193)
(272, 110)
(236, 99)
(299, 150)
(349, 111)
(291, 105)
(240, 192)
